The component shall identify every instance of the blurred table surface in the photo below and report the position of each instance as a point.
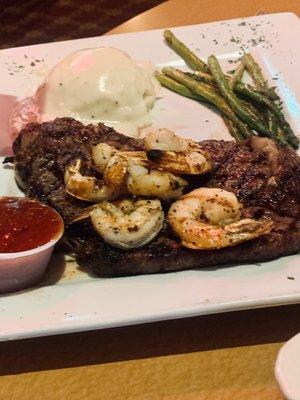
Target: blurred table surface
(225, 356)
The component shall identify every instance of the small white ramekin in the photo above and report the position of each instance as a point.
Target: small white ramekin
(24, 269)
(287, 368)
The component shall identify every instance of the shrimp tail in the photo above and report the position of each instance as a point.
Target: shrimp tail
(230, 235)
(116, 171)
(87, 188)
(194, 162)
(77, 185)
(247, 229)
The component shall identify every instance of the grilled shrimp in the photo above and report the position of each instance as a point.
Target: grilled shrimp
(164, 139)
(132, 172)
(193, 163)
(102, 153)
(153, 183)
(116, 171)
(123, 176)
(87, 188)
(169, 152)
(128, 224)
(209, 218)
(123, 172)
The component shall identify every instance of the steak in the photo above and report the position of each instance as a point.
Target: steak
(264, 176)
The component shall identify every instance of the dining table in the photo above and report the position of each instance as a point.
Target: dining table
(223, 356)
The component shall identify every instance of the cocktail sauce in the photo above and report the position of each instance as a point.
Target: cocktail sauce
(26, 224)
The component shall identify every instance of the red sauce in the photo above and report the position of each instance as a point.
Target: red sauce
(26, 224)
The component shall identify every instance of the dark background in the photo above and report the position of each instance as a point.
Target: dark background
(24, 22)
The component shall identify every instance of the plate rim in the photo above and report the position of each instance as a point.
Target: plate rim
(188, 312)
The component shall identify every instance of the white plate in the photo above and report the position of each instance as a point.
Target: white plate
(78, 302)
(287, 368)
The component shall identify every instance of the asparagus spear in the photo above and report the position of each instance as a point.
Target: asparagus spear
(273, 126)
(210, 95)
(200, 66)
(253, 110)
(201, 76)
(255, 71)
(177, 87)
(237, 76)
(234, 131)
(245, 114)
(271, 122)
(208, 78)
(281, 135)
(269, 93)
(185, 91)
(259, 98)
(184, 52)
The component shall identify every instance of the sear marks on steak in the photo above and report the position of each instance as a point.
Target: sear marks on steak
(264, 176)
(259, 172)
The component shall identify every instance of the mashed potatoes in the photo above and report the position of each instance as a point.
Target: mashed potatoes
(100, 84)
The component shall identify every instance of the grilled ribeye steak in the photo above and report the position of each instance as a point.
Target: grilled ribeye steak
(264, 176)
